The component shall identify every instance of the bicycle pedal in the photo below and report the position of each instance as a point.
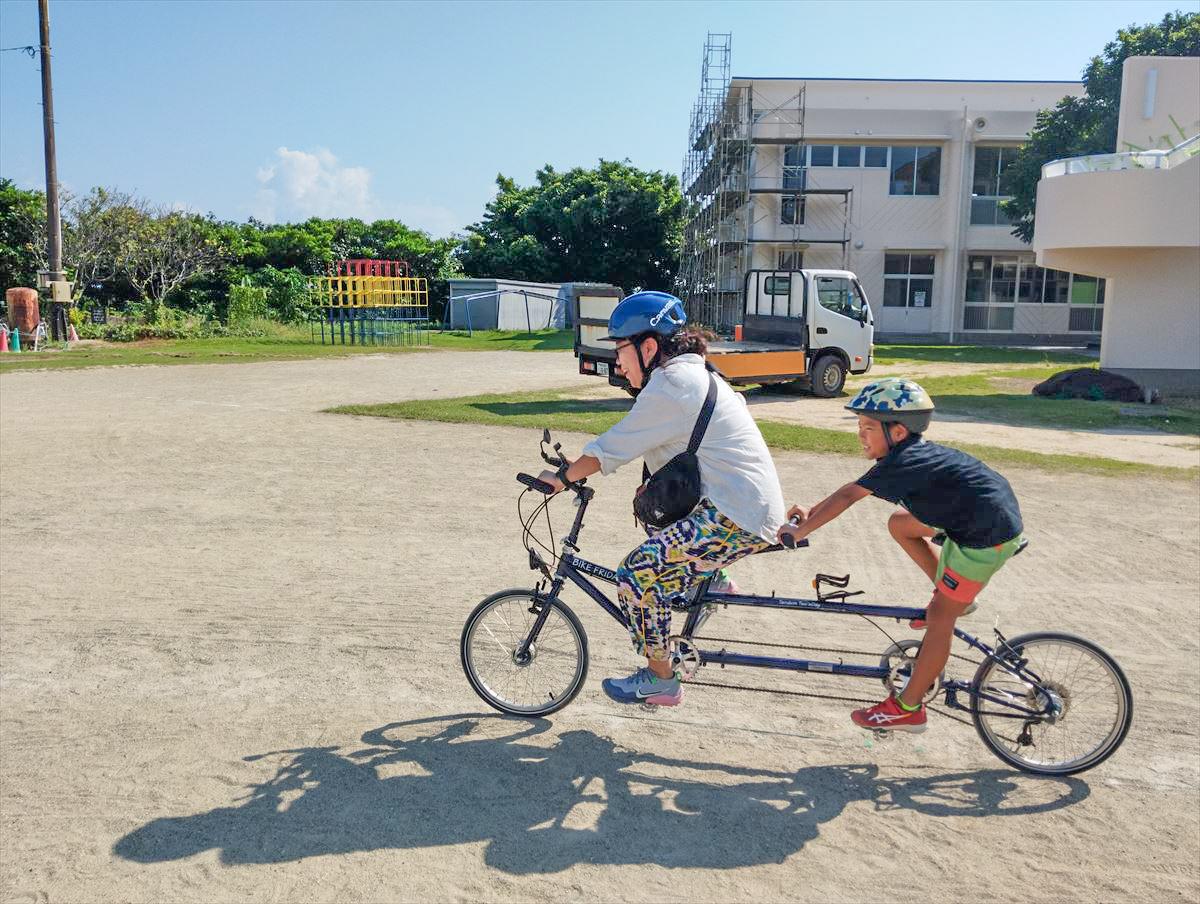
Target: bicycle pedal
(648, 707)
(882, 734)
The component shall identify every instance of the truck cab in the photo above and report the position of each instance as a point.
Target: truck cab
(806, 327)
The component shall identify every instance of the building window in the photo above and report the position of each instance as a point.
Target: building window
(1087, 304)
(793, 167)
(820, 155)
(791, 211)
(990, 186)
(916, 170)
(997, 283)
(791, 260)
(849, 155)
(907, 280)
(876, 157)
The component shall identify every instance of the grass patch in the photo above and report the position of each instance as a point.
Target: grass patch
(281, 343)
(973, 354)
(559, 410)
(507, 340)
(1005, 396)
(184, 351)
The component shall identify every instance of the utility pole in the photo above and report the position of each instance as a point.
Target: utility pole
(59, 287)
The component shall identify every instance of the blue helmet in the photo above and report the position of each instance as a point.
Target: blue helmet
(646, 312)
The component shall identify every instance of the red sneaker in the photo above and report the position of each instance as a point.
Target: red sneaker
(888, 716)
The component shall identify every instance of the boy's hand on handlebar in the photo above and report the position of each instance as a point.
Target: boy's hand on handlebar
(798, 513)
(793, 529)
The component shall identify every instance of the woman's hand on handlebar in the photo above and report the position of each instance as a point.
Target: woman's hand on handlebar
(551, 478)
(576, 471)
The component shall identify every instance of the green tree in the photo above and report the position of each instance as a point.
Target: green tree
(1088, 125)
(22, 235)
(161, 251)
(613, 223)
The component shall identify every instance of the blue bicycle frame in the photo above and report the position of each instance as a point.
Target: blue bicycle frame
(575, 569)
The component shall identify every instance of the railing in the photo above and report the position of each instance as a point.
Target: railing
(1104, 163)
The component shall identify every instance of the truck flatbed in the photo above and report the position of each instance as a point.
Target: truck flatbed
(750, 361)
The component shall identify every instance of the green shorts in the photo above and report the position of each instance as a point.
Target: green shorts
(963, 571)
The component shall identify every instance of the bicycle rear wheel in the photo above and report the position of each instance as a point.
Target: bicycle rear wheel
(1082, 684)
(543, 681)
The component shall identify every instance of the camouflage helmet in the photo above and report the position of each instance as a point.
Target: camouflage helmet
(895, 400)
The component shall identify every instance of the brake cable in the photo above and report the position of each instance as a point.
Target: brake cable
(527, 534)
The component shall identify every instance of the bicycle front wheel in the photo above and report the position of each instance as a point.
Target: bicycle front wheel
(538, 683)
(1085, 694)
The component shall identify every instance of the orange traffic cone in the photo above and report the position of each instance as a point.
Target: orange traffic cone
(3, 338)
(72, 336)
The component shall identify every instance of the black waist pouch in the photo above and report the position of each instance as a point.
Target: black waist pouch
(671, 492)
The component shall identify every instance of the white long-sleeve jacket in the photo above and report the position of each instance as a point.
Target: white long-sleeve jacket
(736, 471)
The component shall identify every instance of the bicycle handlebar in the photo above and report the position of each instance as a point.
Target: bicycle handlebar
(533, 483)
(789, 542)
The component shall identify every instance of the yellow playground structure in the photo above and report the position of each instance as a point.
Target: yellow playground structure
(371, 302)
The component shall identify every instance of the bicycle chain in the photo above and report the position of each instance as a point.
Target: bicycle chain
(768, 690)
(784, 646)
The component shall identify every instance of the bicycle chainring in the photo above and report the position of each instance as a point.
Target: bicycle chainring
(900, 659)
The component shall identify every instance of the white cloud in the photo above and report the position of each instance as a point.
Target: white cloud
(296, 185)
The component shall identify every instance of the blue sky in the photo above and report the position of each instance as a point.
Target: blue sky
(284, 110)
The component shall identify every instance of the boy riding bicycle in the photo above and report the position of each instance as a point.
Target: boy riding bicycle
(942, 491)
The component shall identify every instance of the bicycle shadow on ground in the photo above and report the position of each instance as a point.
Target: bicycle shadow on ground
(545, 804)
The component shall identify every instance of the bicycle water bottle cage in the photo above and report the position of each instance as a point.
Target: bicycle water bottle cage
(837, 595)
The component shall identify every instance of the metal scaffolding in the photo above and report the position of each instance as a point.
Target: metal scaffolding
(737, 152)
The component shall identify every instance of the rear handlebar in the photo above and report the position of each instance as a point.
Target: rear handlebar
(787, 541)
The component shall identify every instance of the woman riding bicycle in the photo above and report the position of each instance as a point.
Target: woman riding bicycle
(741, 504)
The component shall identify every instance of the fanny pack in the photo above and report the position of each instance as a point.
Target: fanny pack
(671, 492)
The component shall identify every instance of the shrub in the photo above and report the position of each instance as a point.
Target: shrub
(246, 302)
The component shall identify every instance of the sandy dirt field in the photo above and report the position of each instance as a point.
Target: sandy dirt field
(229, 670)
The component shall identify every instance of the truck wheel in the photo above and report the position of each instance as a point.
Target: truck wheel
(828, 377)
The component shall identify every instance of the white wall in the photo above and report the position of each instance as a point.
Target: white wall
(892, 113)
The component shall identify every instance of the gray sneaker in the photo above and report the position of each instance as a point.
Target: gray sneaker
(723, 583)
(643, 686)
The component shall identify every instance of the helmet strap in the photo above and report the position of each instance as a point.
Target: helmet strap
(887, 434)
(642, 363)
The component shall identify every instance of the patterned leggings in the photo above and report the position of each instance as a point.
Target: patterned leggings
(669, 564)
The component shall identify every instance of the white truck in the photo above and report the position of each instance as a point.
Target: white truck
(809, 328)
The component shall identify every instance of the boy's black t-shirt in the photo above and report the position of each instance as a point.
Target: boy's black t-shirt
(947, 489)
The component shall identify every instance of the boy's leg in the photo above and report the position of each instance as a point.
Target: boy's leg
(913, 537)
(935, 647)
(959, 576)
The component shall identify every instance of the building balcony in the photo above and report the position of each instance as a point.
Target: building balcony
(1133, 219)
(1144, 199)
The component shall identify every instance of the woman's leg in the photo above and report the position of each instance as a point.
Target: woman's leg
(665, 567)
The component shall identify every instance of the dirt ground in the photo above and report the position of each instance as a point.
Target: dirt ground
(229, 671)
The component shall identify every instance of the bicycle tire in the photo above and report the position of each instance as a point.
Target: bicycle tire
(1112, 738)
(490, 690)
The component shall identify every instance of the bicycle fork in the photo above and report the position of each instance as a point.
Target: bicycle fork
(540, 609)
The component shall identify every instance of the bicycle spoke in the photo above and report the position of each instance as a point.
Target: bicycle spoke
(552, 670)
(1084, 706)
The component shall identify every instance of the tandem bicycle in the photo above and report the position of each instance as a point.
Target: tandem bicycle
(1047, 702)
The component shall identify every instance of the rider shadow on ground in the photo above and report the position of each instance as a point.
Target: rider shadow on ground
(545, 806)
